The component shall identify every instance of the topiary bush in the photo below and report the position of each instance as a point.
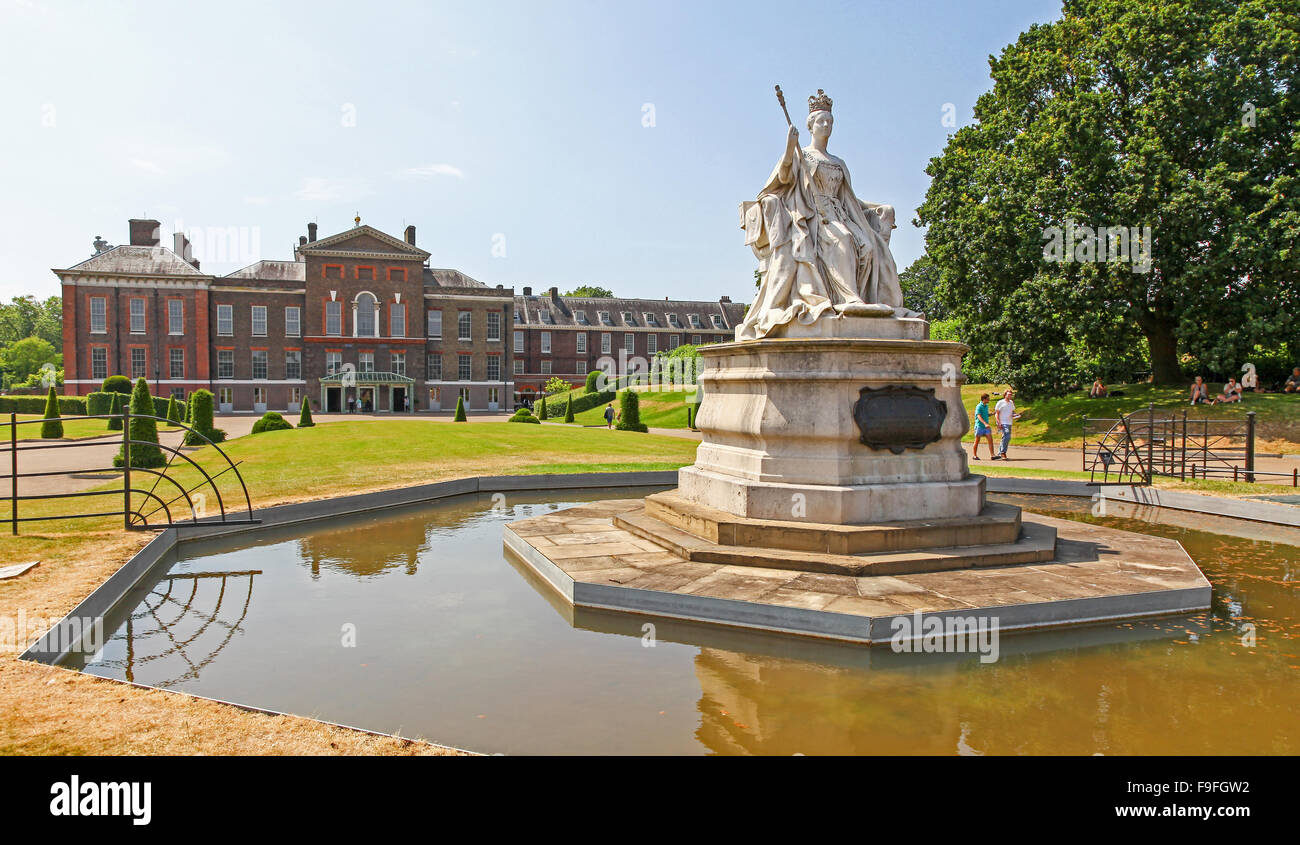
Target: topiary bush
(271, 421)
(117, 384)
(629, 418)
(201, 421)
(568, 412)
(460, 409)
(592, 378)
(115, 408)
(52, 428)
(524, 416)
(541, 409)
(144, 431)
(99, 402)
(173, 411)
(304, 416)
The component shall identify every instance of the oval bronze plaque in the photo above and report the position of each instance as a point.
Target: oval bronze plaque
(899, 417)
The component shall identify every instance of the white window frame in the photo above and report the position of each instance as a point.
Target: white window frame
(581, 343)
(606, 343)
(131, 307)
(546, 343)
(259, 316)
(99, 321)
(266, 364)
(176, 317)
(433, 323)
(229, 358)
(337, 307)
(465, 325)
(292, 327)
(226, 315)
(397, 319)
(494, 326)
(289, 355)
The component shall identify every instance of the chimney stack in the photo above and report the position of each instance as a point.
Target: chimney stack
(302, 240)
(555, 294)
(725, 299)
(181, 246)
(311, 232)
(410, 235)
(528, 291)
(144, 232)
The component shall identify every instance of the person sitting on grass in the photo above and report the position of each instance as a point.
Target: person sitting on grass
(1231, 393)
(1200, 391)
(1098, 390)
(1293, 381)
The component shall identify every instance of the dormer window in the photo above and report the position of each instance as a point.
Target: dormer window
(695, 320)
(580, 317)
(546, 317)
(717, 321)
(628, 319)
(604, 318)
(674, 321)
(650, 319)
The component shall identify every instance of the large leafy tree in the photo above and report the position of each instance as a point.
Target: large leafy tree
(26, 316)
(593, 291)
(1178, 115)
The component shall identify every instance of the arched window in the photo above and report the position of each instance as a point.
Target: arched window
(365, 321)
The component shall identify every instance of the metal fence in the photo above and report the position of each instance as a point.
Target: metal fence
(1139, 446)
(138, 504)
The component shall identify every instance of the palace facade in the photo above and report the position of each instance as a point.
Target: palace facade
(355, 320)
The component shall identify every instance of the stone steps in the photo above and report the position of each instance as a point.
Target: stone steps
(997, 524)
(1036, 544)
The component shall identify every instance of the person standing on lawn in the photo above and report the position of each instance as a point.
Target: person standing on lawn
(609, 415)
(1006, 414)
(982, 427)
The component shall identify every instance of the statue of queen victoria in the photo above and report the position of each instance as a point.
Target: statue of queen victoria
(821, 250)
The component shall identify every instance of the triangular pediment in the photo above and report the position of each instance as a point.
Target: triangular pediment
(363, 240)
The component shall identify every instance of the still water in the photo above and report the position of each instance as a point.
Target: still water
(414, 622)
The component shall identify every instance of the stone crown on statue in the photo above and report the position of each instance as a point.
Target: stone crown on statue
(819, 102)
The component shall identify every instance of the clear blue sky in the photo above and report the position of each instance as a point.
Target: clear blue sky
(509, 124)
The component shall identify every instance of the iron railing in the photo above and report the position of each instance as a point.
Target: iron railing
(135, 518)
(1139, 446)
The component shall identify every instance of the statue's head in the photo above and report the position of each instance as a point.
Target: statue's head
(820, 121)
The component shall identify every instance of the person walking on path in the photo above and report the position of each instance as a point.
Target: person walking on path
(982, 427)
(609, 415)
(1006, 414)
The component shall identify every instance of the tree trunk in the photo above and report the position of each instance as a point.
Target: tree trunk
(1163, 349)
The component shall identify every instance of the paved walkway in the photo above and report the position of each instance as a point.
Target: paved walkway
(100, 452)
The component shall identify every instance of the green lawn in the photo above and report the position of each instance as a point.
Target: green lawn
(1059, 421)
(351, 457)
(74, 428)
(659, 409)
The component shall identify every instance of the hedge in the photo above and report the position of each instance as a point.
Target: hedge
(591, 381)
(71, 405)
(271, 421)
(581, 402)
(523, 416)
(117, 384)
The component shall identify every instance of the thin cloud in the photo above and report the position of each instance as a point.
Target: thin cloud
(439, 169)
(147, 166)
(322, 189)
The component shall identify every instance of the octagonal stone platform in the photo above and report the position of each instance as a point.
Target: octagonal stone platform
(1095, 574)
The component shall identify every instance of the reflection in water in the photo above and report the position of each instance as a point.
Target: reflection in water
(454, 644)
(176, 623)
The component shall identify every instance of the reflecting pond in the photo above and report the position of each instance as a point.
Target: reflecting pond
(413, 621)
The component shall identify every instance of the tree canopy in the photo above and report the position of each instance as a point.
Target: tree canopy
(594, 291)
(1174, 121)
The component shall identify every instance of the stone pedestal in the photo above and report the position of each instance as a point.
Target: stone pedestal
(783, 428)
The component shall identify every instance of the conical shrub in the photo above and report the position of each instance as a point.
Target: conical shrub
(460, 409)
(304, 416)
(144, 431)
(52, 428)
